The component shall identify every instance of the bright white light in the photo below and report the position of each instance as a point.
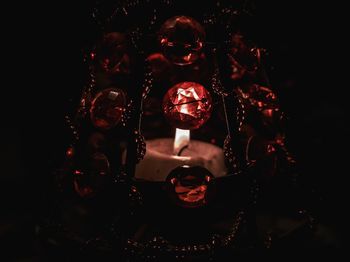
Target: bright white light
(182, 139)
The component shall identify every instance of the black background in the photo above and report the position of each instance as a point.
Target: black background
(308, 54)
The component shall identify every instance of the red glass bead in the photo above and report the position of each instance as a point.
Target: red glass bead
(243, 58)
(272, 117)
(97, 142)
(190, 186)
(263, 153)
(259, 96)
(81, 185)
(182, 39)
(70, 152)
(107, 108)
(94, 178)
(187, 105)
(160, 66)
(112, 53)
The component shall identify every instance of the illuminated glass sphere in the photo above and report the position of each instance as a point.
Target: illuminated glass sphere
(187, 105)
(190, 186)
(107, 108)
(181, 39)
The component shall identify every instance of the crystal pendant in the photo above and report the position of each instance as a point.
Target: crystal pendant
(260, 96)
(190, 186)
(243, 59)
(112, 54)
(187, 105)
(264, 101)
(94, 178)
(97, 142)
(107, 108)
(160, 66)
(181, 39)
(262, 153)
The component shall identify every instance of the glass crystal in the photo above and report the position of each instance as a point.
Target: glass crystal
(187, 105)
(182, 39)
(189, 186)
(107, 108)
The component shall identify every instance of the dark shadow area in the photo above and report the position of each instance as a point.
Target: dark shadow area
(305, 46)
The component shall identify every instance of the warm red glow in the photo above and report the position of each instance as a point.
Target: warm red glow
(70, 152)
(268, 112)
(77, 172)
(208, 178)
(187, 58)
(270, 149)
(83, 191)
(189, 186)
(189, 191)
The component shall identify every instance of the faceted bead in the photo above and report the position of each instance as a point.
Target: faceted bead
(259, 96)
(265, 101)
(112, 53)
(81, 184)
(190, 186)
(107, 108)
(272, 117)
(243, 58)
(181, 39)
(94, 177)
(160, 66)
(263, 153)
(187, 105)
(97, 142)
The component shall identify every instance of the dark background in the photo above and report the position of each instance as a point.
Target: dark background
(307, 50)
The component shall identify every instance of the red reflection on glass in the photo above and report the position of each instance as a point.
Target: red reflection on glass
(107, 108)
(182, 39)
(189, 186)
(187, 105)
